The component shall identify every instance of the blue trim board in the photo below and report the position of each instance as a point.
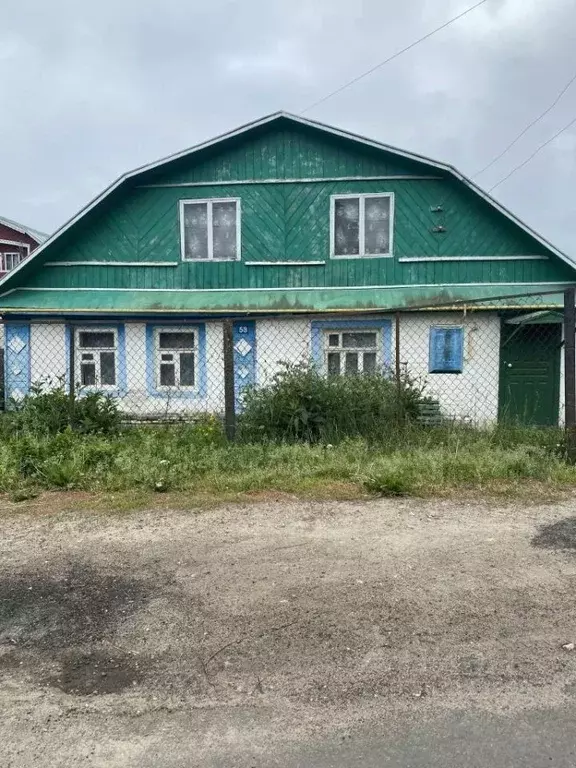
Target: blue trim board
(201, 369)
(122, 389)
(17, 360)
(318, 327)
(244, 340)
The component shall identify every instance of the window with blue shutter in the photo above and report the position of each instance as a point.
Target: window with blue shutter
(446, 350)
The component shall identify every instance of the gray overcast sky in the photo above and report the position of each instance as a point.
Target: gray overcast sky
(90, 90)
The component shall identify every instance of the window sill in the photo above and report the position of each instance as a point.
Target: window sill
(285, 263)
(367, 256)
(211, 261)
(193, 394)
(445, 373)
(112, 391)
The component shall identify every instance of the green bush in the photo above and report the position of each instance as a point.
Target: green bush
(300, 404)
(49, 409)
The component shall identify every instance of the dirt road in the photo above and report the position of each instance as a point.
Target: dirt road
(233, 636)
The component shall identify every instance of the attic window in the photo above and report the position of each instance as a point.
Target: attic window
(210, 229)
(12, 259)
(361, 225)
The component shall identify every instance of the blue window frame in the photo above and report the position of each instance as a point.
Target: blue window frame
(446, 350)
(347, 346)
(176, 360)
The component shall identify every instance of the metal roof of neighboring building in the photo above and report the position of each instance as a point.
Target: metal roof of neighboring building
(40, 237)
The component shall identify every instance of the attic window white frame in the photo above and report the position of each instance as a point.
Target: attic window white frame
(209, 201)
(361, 197)
(17, 258)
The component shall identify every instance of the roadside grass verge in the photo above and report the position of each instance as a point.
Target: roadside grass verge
(140, 465)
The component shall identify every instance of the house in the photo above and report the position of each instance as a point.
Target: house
(319, 245)
(16, 243)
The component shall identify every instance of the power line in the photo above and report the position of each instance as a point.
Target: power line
(391, 58)
(541, 147)
(527, 128)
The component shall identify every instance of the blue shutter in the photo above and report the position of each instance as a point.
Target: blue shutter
(446, 350)
(244, 336)
(17, 361)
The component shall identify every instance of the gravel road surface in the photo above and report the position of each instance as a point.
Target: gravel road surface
(401, 633)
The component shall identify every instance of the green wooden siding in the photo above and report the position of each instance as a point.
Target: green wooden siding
(285, 152)
(290, 221)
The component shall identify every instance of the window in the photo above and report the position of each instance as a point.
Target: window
(96, 355)
(446, 350)
(351, 352)
(210, 229)
(362, 225)
(175, 358)
(12, 259)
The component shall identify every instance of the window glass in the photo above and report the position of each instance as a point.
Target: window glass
(107, 368)
(351, 363)
(376, 225)
(347, 226)
(167, 375)
(196, 231)
(97, 339)
(176, 340)
(186, 369)
(333, 363)
(360, 339)
(88, 374)
(369, 362)
(224, 230)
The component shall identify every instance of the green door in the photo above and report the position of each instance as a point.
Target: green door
(530, 373)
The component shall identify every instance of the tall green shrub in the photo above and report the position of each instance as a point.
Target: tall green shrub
(49, 409)
(300, 404)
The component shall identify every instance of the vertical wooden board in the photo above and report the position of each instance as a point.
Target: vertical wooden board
(245, 351)
(17, 361)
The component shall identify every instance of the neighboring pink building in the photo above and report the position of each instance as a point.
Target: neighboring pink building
(16, 243)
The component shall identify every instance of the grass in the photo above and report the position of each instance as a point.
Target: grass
(157, 466)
